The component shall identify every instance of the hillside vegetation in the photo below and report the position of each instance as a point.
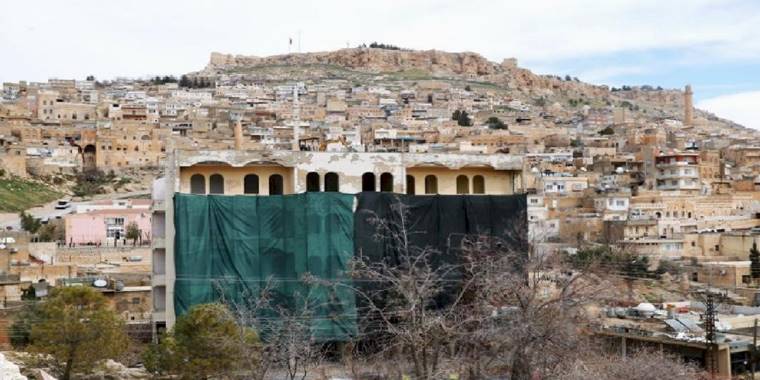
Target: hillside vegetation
(17, 194)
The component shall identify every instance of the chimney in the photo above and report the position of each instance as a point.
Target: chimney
(238, 135)
(688, 106)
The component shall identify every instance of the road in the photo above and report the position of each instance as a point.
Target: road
(50, 212)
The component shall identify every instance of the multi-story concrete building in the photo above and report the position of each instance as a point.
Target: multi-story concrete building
(233, 172)
(678, 171)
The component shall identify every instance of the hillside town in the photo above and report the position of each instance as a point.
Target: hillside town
(636, 170)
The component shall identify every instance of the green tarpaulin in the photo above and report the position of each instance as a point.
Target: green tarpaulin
(231, 246)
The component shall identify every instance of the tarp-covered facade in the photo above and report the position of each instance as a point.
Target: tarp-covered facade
(234, 245)
(231, 245)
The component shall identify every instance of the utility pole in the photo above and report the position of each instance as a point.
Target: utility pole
(753, 352)
(710, 331)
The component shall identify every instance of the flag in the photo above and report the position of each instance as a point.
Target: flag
(291, 41)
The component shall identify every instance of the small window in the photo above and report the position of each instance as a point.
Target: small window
(198, 184)
(386, 182)
(216, 184)
(312, 182)
(251, 184)
(463, 184)
(368, 182)
(431, 184)
(332, 182)
(410, 185)
(275, 184)
(479, 185)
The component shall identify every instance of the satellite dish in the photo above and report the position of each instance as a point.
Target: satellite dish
(100, 283)
(2, 246)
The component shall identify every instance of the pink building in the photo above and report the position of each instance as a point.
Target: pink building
(105, 224)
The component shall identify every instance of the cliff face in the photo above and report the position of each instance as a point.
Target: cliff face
(372, 60)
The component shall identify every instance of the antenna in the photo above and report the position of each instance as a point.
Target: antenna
(299, 40)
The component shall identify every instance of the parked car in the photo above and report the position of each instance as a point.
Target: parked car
(62, 204)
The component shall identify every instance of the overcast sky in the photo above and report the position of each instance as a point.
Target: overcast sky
(714, 45)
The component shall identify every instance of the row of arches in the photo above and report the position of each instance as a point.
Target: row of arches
(332, 183)
(462, 182)
(250, 184)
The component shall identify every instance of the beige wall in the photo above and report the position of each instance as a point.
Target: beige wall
(737, 245)
(233, 177)
(496, 181)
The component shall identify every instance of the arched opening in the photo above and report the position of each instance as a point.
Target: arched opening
(312, 182)
(431, 184)
(478, 185)
(332, 182)
(386, 182)
(251, 184)
(275, 184)
(216, 184)
(463, 184)
(410, 185)
(197, 184)
(368, 182)
(89, 161)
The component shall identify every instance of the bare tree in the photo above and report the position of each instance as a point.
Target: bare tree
(643, 365)
(495, 309)
(288, 346)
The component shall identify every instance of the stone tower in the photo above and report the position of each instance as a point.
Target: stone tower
(688, 106)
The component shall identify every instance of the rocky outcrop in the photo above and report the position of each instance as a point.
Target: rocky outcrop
(373, 60)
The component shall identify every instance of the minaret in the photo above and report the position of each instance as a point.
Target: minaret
(238, 130)
(688, 106)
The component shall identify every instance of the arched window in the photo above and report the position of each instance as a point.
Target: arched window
(463, 184)
(478, 185)
(197, 184)
(332, 182)
(368, 182)
(312, 181)
(275, 184)
(216, 184)
(410, 184)
(386, 182)
(251, 184)
(431, 184)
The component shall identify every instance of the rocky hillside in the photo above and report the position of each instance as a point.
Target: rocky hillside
(373, 60)
(467, 68)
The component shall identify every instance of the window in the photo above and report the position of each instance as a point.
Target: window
(216, 184)
(368, 182)
(251, 184)
(275, 184)
(312, 182)
(431, 184)
(478, 184)
(198, 184)
(332, 182)
(410, 185)
(463, 184)
(386, 182)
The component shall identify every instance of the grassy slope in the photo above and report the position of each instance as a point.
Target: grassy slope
(17, 194)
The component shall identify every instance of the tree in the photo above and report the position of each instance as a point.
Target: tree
(641, 365)
(21, 329)
(133, 232)
(494, 122)
(90, 78)
(607, 131)
(77, 329)
(184, 81)
(204, 343)
(462, 118)
(29, 223)
(754, 257)
(468, 88)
